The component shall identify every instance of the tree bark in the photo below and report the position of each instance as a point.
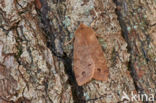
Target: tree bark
(36, 57)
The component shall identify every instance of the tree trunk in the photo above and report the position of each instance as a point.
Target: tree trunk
(36, 51)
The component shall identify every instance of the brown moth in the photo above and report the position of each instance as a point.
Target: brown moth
(89, 60)
(38, 4)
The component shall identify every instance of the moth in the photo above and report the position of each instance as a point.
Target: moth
(89, 60)
(38, 4)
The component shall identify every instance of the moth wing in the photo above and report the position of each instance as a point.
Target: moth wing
(101, 71)
(83, 63)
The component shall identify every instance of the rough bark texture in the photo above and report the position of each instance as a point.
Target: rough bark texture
(36, 58)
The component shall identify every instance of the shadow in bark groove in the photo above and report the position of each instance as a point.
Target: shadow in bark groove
(51, 35)
(77, 91)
